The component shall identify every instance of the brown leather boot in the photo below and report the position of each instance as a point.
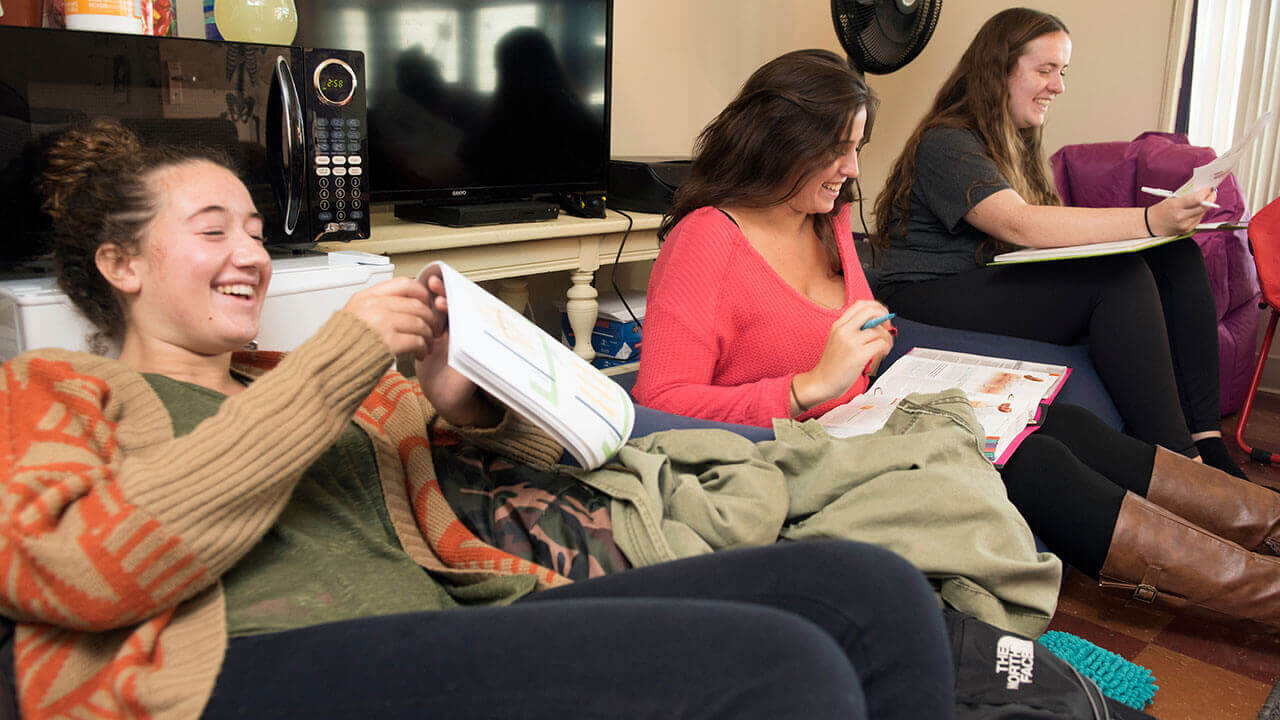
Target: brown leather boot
(1158, 558)
(1238, 510)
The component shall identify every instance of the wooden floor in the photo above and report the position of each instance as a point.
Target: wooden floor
(1203, 670)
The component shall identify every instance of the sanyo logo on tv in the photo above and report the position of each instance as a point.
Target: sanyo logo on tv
(458, 193)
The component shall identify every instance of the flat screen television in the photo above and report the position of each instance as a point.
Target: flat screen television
(477, 100)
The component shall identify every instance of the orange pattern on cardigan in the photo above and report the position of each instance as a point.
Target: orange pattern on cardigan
(113, 533)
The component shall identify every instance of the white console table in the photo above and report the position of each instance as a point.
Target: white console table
(511, 252)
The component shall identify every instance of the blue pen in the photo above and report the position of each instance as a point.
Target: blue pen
(878, 321)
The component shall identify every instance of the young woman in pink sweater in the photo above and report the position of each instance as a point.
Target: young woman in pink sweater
(755, 311)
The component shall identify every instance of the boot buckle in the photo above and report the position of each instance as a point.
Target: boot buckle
(1145, 593)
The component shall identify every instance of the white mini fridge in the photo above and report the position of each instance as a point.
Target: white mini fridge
(304, 292)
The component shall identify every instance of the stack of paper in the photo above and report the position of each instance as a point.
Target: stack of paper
(1081, 251)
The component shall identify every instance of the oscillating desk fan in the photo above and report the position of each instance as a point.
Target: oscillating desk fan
(881, 36)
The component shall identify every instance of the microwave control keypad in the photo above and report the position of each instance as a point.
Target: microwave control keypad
(339, 169)
(338, 143)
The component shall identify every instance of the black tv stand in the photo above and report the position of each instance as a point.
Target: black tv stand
(479, 214)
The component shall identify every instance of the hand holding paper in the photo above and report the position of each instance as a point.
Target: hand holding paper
(451, 393)
(395, 310)
(1212, 173)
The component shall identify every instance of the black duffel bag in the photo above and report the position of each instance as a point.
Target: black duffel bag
(1001, 676)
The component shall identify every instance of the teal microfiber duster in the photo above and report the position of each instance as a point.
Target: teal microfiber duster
(1116, 677)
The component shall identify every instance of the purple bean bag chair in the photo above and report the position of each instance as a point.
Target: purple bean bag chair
(1110, 174)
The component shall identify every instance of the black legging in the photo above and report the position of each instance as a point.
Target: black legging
(1069, 478)
(809, 630)
(1149, 318)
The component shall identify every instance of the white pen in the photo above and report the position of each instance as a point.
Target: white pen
(1159, 192)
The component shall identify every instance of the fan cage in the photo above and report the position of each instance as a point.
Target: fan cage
(878, 37)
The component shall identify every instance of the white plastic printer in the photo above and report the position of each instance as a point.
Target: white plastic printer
(304, 292)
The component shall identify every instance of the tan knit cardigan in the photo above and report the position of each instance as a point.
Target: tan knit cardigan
(113, 533)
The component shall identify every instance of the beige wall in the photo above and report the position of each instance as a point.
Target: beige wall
(676, 63)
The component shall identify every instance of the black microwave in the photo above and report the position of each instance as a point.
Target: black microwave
(292, 119)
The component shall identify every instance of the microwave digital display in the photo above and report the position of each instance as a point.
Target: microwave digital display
(335, 82)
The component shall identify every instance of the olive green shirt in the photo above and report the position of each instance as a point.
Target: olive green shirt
(332, 554)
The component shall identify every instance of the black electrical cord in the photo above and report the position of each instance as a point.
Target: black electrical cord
(858, 186)
(613, 276)
(866, 234)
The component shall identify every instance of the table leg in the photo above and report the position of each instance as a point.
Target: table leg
(515, 292)
(582, 310)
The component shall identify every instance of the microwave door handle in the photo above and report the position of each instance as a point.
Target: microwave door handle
(294, 151)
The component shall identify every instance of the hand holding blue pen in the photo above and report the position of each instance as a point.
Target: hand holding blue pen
(878, 321)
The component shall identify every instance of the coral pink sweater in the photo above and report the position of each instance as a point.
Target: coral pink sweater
(724, 334)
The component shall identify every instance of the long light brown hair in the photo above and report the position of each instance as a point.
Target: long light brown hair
(976, 97)
(791, 118)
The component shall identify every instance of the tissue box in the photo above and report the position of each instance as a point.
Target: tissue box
(615, 337)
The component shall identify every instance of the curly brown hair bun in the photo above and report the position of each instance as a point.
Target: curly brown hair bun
(95, 188)
(80, 156)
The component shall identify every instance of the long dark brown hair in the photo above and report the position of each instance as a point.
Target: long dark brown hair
(96, 187)
(976, 97)
(790, 119)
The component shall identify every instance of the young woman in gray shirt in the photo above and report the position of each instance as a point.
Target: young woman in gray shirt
(971, 182)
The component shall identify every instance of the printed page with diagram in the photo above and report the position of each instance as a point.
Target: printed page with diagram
(1006, 395)
(526, 369)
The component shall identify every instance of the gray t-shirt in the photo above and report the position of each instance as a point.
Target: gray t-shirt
(953, 173)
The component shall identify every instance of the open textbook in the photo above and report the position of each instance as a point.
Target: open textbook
(1006, 395)
(531, 372)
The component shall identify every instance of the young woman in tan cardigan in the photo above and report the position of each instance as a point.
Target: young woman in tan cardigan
(188, 530)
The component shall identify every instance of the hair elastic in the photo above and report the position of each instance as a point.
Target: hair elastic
(794, 397)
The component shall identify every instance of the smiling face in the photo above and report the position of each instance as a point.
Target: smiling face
(818, 192)
(1037, 78)
(200, 278)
